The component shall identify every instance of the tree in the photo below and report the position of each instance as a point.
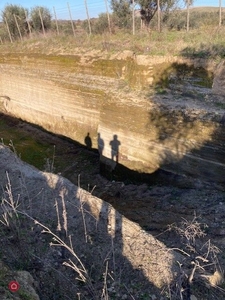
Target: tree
(122, 11)
(101, 24)
(148, 8)
(12, 16)
(36, 14)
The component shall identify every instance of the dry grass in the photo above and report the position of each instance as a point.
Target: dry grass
(194, 43)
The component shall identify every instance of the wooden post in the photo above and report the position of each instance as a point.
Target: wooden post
(71, 19)
(7, 26)
(159, 16)
(28, 23)
(188, 14)
(42, 23)
(220, 12)
(89, 23)
(133, 17)
(17, 25)
(56, 21)
(107, 11)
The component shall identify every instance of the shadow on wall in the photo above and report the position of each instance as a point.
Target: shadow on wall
(88, 141)
(168, 75)
(112, 169)
(189, 134)
(107, 165)
(114, 144)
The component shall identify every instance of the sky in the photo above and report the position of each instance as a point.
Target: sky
(77, 7)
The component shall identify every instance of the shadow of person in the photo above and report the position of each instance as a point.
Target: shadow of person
(88, 141)
(115, 143)
(100, 145)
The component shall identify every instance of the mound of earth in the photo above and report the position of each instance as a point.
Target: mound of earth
(73, 243)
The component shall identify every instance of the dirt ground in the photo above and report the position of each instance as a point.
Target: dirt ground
(152, 206)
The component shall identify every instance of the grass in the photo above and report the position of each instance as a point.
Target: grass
(173, 43)
(34, 151)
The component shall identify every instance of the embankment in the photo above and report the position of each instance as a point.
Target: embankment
(145, 113)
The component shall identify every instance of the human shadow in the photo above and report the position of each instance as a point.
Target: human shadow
(101, 145)
(88, 141)
(115, 144)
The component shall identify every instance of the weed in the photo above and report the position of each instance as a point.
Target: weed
(220, 105)
(200, 257)
(24, 295)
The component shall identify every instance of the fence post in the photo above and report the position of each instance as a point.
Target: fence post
(133, 17)
(7, 26)
(42, 24)
(188, 14)
(159, 15)
(28, 24)
(107, 11)
(17, 25)
(56, 21)
(220, 12)
(71, 19)
(89, 23)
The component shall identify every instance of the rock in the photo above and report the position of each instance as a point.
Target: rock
(27, 283)
(25, 280)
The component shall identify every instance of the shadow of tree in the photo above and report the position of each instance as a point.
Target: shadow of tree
(167, 75)
(205, 50)
(188, 131)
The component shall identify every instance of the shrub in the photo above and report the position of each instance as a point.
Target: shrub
(36, 19)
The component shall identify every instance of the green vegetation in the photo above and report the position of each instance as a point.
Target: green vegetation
(35, 14)
(173, 38)
(13, 16)
(193, 44)
(122, 12)
(18, 22)
(34, 152)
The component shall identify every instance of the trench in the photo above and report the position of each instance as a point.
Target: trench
(154, 202)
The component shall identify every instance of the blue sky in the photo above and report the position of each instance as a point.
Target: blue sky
(77, 7)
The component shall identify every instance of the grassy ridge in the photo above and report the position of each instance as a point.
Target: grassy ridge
(207, 42)
(204, 40)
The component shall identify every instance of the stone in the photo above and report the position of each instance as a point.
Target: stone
(25, 280)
